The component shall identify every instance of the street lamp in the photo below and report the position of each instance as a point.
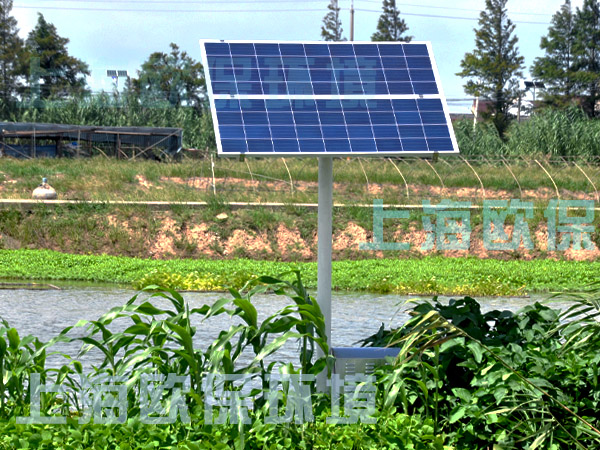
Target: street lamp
(534, 84)
(116, 74)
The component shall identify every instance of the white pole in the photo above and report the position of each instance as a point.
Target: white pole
(324, 229)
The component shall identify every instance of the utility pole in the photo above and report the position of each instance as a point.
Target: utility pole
(352, 20)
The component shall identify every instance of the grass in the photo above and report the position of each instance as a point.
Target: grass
(263, 180)
(429, 275)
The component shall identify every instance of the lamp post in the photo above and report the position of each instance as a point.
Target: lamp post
(534, 84)
(116, 74)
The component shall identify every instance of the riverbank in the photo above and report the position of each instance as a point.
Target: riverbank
(428, 275)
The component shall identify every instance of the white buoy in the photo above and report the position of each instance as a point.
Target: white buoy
(44, 191)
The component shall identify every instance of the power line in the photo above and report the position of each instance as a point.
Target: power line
(191, 2)
(204, 2)
(454, 8)
(451, 17)
(138, 10)
(76, 8)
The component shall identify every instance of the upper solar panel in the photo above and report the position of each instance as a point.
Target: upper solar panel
(316, 98)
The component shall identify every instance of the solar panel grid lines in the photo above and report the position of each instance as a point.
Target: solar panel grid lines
(261, 104)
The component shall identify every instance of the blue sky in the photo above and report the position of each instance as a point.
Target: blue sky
(119, 34)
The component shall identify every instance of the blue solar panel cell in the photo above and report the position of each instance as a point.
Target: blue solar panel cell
(415, 145)
(411, 131)
(244, 62)
(281, 118)
(329, 118)
(224, 88)
(357, 118)
(437, 131)
(415, 50)
(311, 145)
(286, 145)
(382, 118)
(231, 132)
(430, 104)
(294, 62)
(260, 145)
(234, 145)
(229, 118)
(431, 117)
(407, 118)
(337, 146)
(278, 105)
(283, 132)
(363, 145)
(357, 105)
(297, 75)
(325, 89)
(217, 48)
(425, 88)
(335, 132)
(366, 50)
(418, 63)
(267, 49)
(316, 50)
(391, 50)
(440, 145)
(242, 49)
(393, 63)
(397, 75)
(255, 118)
(341, 50)
(404, 105)
(315, 98)
(250, 88)
(230, 105)
(385, 131)
(366, 63)
(258, 132)
(306, 118)
(252, 105)
(309, 132)
(220, 62)
(400, 88)
(389, 145)
(379, 105)
(360, 132)
(292, 49)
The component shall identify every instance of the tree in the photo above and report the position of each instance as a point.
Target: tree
(11, 53)
(390, 26)
(332, 25)
(494, 66)
(175, 78)
(586, 51)
(557, 67)
(62, 75)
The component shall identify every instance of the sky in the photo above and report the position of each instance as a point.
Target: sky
(121, 34)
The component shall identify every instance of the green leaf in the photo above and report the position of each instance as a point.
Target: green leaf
(457, 414)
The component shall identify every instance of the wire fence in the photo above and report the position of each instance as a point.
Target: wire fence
(475, 178)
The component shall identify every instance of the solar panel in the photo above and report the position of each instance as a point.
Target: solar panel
(316, 98)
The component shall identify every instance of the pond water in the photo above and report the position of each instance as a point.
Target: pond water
(45, 313)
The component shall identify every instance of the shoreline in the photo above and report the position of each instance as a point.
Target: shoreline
(430, 275)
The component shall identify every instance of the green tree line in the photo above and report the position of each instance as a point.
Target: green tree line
(40, 80)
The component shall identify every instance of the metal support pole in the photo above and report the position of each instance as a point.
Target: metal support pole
(352, 21)
(325, 213)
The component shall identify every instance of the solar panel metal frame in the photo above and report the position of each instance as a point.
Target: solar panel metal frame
(440, 95)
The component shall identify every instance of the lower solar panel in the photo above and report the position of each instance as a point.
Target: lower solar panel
(332, 126)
